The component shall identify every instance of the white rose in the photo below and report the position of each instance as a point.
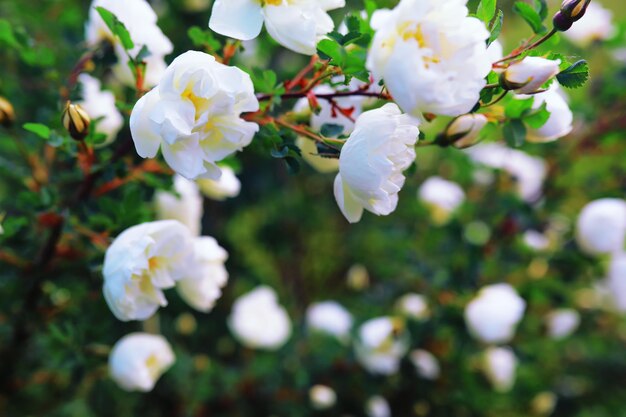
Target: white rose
(464, 131)
(381, 344)
(442, 197)
(322, 397)
(414, 306)
(193, 115)
(432, 56)
(492, 316)
(536, 240)
(615, 284)
(100, 104)
(595, 25)
(528, 75)
(227, 186)
(426, 364)
(601, 226)
(500, 366)
(141, 22)
(377, 406)
(142, 262)
(372, 161)
(258, 321)
(138, 360)
(559, 124)
(495, 51)
(186, 207)
(295, 24)
(329, 317)
(562, 322)
(528, 171)
(203, 285)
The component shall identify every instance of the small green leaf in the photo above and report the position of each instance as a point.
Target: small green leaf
(531, 16)
(496, 27)
(516, 108)
(116, 27)
(538, 117)
(38, 129)
(486, 10)
(575, 76)
(515, 133)
(329, 49)
(331, 130)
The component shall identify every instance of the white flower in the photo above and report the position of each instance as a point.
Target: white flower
(142, 262)
(495, 51)
(138, 360)
(492, 316)
(464, 131)
(432, 56)
(311, 155)
(295, 24)
(615, 284)
(203, 286)
(529, 74)
(442, 197)
(559, 124)
(100, 104)
(595, 25)
(414, 306)
(500, 366)
(372, 161)
(322, 397)
(426, 364)
(529, 171)
(562, 322)
(193, 115)
(536, 240)
(601, 226)
(381, 345)
(186, 207)
(258, 321)
(377, 406)
(227, 186)
(329, 317)
(141, 22)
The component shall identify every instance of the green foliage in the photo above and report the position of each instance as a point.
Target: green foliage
(574, 76)
(534, 14)
(117, 28)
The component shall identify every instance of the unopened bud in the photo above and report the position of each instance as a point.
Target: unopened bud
(7, 114)
(528, 75)
(464, 131)
(571, 11)
(76, 121)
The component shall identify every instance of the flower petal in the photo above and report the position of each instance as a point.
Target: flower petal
(239, 19)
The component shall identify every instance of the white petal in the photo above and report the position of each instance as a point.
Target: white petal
(348, 205)
(239, 19)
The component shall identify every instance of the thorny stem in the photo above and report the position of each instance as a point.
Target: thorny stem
(329, 96)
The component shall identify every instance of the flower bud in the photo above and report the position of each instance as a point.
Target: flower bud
(529, 74)
(7, 114)
(571, 11)
(76, 121)
(463, 131)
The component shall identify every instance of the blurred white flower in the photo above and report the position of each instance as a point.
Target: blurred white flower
(203, 285)
(616, 282)
(142, 262)
(562, 322)
(536, 240)
(500, 366)
(426, 364)
(377, 406)
(372, 161)
(595, 25)
(529, 74)
(322, 397)
(381, 344)
(138, 360)
(492, 316)
(329, 317)
(601, 226)
(141, 22)
(100, 104)
(186, 207)
(258, 321)
(559, 124)
(528, 171)
(464, 131)
(296, 25)
(442, 197)
(414, 306)
(193, 115)
(432, 56)
(227, 186)
(495, 51)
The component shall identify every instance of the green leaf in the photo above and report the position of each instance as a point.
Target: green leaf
(116, 27)
(538, 117)
(531, 16)
(486, 10)
(515, 133)
(495, 27)
(331, 130)
(38, 129)
(329, 49)
(516, 108)
(575, 76)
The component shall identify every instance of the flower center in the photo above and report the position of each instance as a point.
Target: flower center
(414, 31)
(152, 363)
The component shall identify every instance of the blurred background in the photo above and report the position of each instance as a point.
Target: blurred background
(285, 230)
